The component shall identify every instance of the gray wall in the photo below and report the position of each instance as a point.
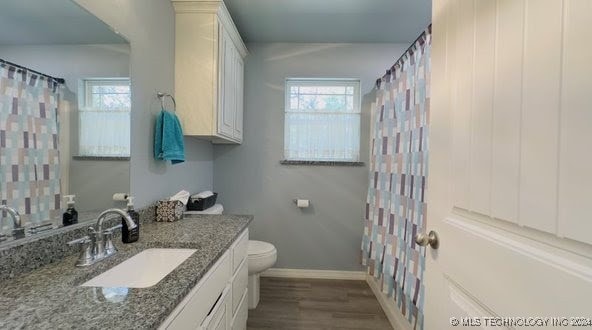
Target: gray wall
(149, 26)
(250, 180)
(93, 182)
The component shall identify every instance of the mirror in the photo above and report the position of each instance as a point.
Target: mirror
(71, 138)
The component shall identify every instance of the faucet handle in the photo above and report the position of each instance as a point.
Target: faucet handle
(91, 231)
(81, 241)
(109, 247)
(86, 256)
(110, 230)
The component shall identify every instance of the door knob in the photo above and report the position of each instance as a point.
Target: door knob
(423, 239)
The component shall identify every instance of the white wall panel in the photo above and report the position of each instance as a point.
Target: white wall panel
(520, 81)
(540, 114)
(482, 107)
(575, 176)
(507, 110)
(463, 81)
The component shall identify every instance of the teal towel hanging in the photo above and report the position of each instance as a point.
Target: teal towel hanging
(168, 138)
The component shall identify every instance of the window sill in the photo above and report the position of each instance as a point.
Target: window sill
(320, 163)
(109, 158)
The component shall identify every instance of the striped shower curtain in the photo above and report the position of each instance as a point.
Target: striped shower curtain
(395, 206)
(29, 157)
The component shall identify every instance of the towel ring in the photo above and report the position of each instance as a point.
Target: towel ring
(161, 96)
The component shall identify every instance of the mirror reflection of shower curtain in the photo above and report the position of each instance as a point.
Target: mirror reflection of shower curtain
(395, 206)
(65, 113)
(29, 156)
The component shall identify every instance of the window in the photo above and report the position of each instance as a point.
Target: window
(322, 120)
(104, 118)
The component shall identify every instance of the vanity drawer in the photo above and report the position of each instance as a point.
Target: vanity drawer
(239, 321)
(192, 311)
(239, 284)
(240, 249)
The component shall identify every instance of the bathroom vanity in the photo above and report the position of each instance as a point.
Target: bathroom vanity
(206, 291)
(219, 300)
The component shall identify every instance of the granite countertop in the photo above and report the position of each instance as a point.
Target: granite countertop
(51, 297)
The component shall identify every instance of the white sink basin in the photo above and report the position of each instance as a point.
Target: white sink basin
(143, 270)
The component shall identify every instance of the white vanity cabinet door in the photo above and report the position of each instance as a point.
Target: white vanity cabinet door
(239, 250)
(239, 281)
(239, 284)
(219, 317)
(239, 321)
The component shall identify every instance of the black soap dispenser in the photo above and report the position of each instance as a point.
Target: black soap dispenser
(130, 235)
(70, 217)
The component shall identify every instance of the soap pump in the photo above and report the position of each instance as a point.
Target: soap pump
(130, 235)
(70, 217)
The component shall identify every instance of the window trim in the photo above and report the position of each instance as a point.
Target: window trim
(325, 81)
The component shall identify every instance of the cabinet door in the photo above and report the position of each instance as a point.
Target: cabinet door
(239, 285)
(239, 322)
(239, 83)
(219, 317)
(226, 105)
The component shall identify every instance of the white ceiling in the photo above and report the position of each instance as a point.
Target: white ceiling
(36, 22)
(327, 21)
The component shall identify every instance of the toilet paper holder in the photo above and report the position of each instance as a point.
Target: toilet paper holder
(305, 202)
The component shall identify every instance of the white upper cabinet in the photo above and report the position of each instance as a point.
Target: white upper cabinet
(209, 71)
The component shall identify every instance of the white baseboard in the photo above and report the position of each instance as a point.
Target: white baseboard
(314, 273)
(389, 307)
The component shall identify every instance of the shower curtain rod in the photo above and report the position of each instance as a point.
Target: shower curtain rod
(405, 53)
(58, 80)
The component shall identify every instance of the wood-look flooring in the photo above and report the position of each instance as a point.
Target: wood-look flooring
(288, 303)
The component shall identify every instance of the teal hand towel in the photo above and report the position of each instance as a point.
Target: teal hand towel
(168, 138)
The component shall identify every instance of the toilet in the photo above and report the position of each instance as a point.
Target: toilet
(261, 257)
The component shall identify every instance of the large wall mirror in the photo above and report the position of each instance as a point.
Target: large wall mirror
(64, 138)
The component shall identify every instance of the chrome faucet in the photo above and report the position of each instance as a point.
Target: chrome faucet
(103, 238)
(98, 244)
(18, 231)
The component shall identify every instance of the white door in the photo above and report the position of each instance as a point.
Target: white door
(510, 186)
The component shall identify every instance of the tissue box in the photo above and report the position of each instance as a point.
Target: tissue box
(169, 211)
(200, 204)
